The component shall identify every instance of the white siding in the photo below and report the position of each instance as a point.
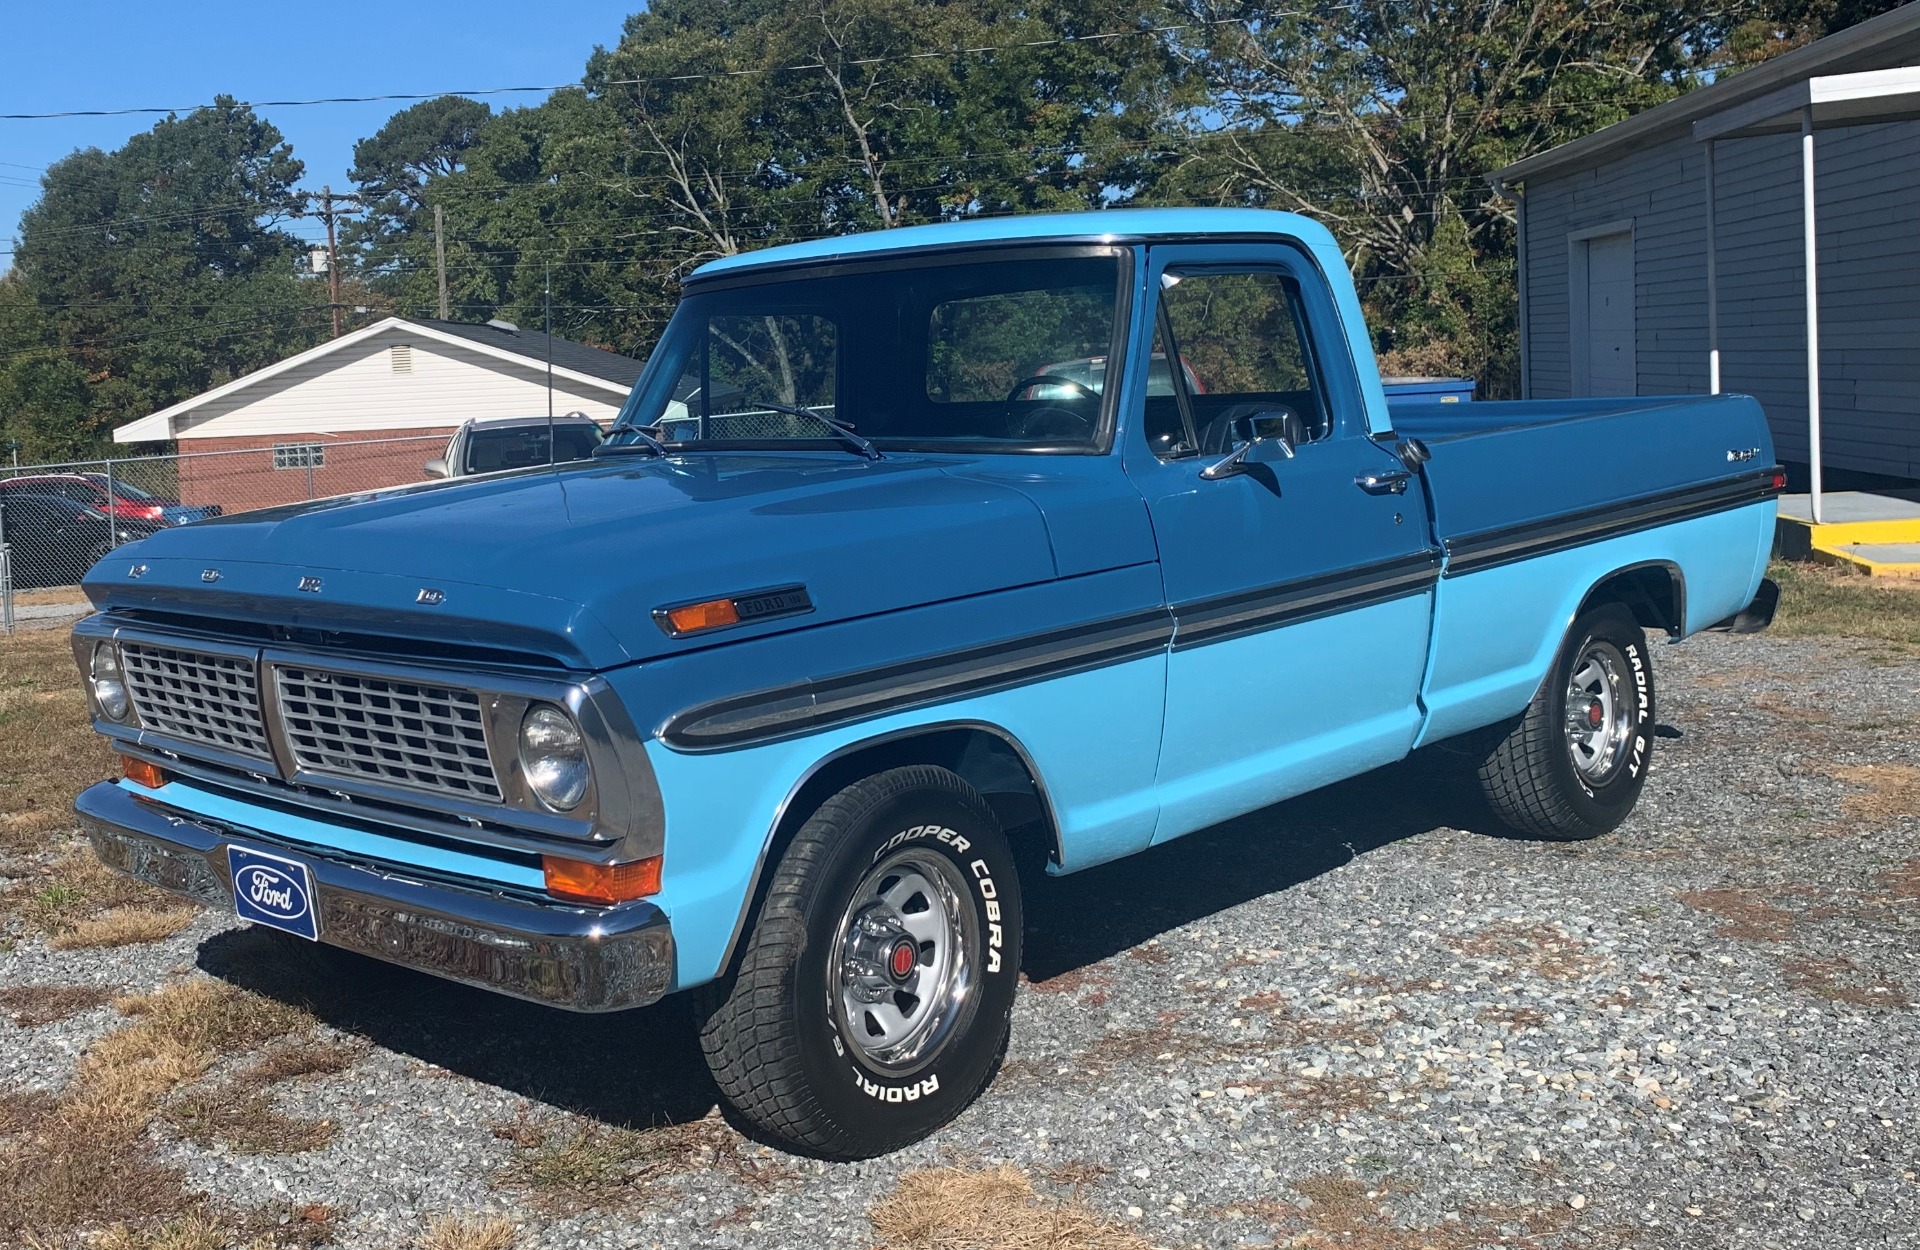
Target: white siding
(358, 389)
(1868, 181)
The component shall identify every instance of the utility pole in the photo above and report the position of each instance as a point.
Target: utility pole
(347, 204)
(333, 259)
(440, 259)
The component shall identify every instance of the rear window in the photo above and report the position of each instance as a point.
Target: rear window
(490, 451)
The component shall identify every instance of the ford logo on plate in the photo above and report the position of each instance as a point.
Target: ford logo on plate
(273, 891)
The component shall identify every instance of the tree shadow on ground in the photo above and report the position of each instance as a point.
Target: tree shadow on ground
(644, 1068)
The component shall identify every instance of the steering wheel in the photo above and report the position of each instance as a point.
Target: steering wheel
(1043, 421)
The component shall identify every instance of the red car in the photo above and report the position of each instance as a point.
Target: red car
(121, 500)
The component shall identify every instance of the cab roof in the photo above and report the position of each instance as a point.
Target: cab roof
(1116, 225)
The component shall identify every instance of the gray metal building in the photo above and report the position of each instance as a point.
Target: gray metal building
(1671, 253)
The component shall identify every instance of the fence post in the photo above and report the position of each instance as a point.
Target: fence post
(113, 521)
(6, 573)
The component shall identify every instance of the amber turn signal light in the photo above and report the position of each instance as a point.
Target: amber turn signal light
(601, 883)
(141, 773)
(694, 617)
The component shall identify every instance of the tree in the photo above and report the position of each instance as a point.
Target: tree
(391, 171)
(1382, 119)
(160, 270)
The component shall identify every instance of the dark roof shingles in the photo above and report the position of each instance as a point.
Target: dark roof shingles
(532, 344)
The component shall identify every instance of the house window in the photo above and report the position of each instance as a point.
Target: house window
(299, 456)
(402, 356)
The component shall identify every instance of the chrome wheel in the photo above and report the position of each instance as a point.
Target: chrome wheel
(1599, 711)
(904, 960)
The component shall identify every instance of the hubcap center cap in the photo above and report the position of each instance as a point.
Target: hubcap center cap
(905, 956)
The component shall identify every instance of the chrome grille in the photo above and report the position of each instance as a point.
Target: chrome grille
(197, 696)
(402, 733)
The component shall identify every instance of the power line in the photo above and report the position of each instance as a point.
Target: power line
(804, 67)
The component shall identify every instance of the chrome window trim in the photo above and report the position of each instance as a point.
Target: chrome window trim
(621, 818)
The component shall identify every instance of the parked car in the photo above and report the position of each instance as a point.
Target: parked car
(776, 710)
(111, 495)
(55, 540)
(499, 443)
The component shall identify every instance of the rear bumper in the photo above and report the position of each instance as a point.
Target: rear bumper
(581, 959)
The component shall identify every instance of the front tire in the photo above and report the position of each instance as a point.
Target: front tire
(873, 1000)
(1573, 766)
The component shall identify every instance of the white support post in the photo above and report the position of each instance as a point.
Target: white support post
(1713, 282)
(1811, 237)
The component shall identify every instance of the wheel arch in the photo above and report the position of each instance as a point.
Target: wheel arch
(1655, 591)
(986, 756)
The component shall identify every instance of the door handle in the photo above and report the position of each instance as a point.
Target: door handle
(1392, 482)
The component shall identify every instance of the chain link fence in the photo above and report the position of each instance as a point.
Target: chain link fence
(58, 520)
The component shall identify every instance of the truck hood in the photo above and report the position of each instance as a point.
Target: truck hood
(570, 563)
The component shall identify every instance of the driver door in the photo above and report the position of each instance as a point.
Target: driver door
(1301, 584)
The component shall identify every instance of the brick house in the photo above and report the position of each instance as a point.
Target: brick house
(368, 409)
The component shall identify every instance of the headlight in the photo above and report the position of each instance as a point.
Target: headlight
(109, 684)
(553, 755)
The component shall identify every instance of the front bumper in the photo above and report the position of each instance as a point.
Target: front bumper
(578, 958)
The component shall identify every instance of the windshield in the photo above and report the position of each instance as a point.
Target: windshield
(489, 451)
(964, 355)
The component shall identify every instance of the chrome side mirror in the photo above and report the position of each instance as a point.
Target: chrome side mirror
(436, 467)
(1267, 432)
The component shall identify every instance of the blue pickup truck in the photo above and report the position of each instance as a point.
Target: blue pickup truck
(913, 562)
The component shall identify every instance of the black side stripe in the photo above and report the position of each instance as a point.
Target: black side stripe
(1491, 548)
(809, 706)
(1271, 607)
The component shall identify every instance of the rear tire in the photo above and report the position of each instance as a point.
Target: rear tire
(872, 1002)
(1573, 766)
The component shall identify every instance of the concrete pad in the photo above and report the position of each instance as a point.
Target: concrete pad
(1847, 506)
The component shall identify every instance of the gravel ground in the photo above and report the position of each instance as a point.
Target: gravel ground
(1351, 1019)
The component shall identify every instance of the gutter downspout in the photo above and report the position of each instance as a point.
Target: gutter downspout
(1522, 293)
(1713, 280)
(1810, 231)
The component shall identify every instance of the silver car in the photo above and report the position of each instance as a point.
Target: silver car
(500, 443)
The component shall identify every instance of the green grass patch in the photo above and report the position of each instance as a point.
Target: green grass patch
(1817, 602)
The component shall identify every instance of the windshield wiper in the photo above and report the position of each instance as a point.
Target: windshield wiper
(842, 432)
(644, 444)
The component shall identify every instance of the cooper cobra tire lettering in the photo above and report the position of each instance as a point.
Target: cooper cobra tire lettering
(778, 1037)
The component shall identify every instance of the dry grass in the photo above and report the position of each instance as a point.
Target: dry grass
(75, 888)
(1515, 1018)
(288, 1061)
(245, 1121)
(1843, 981)
(34, 1005)
(1544, 950)
(1748, 915)
(124, 926)
(1822, 602)
(1883, 795)
(990, 1209)
(48, 750)
(592, 1165)
(459, 1232)
(1902, 881)
(80, 1161)
(1351, 1214)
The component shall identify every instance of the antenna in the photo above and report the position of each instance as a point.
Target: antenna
(549, 310)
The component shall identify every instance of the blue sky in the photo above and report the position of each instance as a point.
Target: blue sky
(93, 54)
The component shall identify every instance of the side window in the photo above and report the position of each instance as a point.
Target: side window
(751, 362)
(1243, 350)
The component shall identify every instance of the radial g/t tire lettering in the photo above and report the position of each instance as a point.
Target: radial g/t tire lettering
(872, 1002)
(1573, 766)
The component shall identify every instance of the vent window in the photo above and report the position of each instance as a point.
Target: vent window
(402, 354)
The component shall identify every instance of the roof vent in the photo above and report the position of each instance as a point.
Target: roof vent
(508, 326)
(402, 355)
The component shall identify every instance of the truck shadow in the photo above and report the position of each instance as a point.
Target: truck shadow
(1092, 915)
(643, 1068)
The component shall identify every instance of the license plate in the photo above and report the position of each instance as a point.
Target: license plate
(274, 892)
